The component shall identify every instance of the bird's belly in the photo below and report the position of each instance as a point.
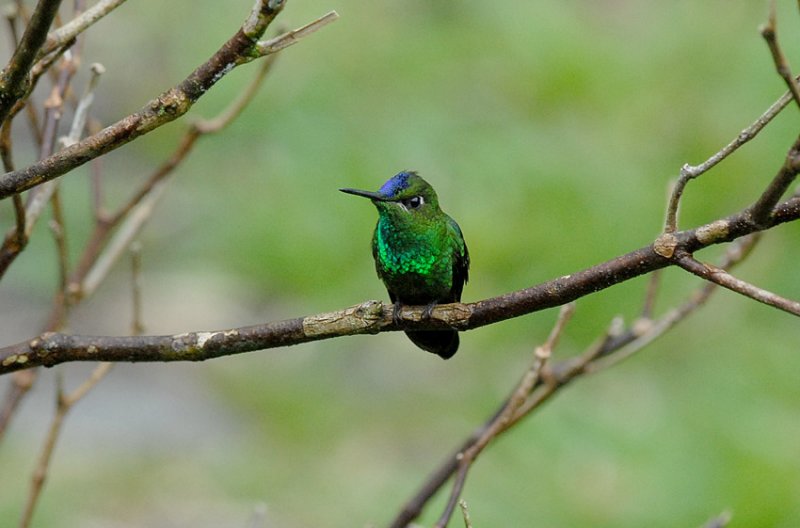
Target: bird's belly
(421, 281)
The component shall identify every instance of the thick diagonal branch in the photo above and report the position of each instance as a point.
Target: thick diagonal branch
(175, 102)
(373, 316)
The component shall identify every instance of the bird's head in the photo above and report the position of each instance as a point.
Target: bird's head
(405, 197)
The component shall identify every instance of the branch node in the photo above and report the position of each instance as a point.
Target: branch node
(714, 232)
(641, 326)
(665, 245)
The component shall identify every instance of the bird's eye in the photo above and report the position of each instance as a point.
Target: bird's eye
(413, 202)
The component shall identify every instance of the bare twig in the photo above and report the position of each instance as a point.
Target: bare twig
(67, 32)
(650, 296)
(689, 172)
(213, 125)
(57, 227)
(14, 77)
(136, 211)
(720, 521)
(762, 210)
(726, 280)
(94, 264)
(16, 240)
(642, 337)
(98, 201)
(11, 14)
(84, 104)
(64, 404)
(126, 233)
(280, 42)
(167, 107)
(769, 32)
(137, 326)
(502, 421)
(19, 216)
(20, 385)
(616, 345)
(38, 199)
(465, 513)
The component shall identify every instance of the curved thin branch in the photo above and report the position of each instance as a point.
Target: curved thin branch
(373, 317)
(690, 172)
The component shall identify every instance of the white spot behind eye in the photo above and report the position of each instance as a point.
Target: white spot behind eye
(413, 202)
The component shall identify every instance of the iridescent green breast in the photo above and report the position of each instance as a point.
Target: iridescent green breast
(415, 264)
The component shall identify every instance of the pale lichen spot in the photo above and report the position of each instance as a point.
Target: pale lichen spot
(10, 360)
(179, 342)
(224, 71)
(203, 337)
(712, 232)
(91, 349)
(665, 245)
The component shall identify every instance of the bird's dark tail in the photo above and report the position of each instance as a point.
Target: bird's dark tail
(443, 343)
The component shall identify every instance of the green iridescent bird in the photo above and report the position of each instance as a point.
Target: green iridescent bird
(419, 252)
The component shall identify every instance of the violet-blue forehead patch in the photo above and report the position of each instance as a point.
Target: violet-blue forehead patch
(395, 184)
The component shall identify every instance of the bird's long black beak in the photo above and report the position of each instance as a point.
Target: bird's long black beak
(366, 194)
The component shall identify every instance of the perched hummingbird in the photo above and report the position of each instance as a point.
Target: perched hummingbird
(420, 253)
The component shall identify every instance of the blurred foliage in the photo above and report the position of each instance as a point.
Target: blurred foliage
(551, 131)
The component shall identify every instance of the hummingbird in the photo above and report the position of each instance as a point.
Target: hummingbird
(420, 253)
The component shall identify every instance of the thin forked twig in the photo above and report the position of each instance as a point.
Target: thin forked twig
(761, 212)
(67, 32)
(726, 280)
(613, 347)
(465, 513)
(95, 264)
(241, 48)
(690, 172)
(769, 32)
(502, 421)
(64, 403)
(285, 40)
(735, 254)
(132, 216)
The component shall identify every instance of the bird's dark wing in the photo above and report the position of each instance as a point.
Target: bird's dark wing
(460, 262)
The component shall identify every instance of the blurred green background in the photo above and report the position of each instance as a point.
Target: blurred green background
(550, 131)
